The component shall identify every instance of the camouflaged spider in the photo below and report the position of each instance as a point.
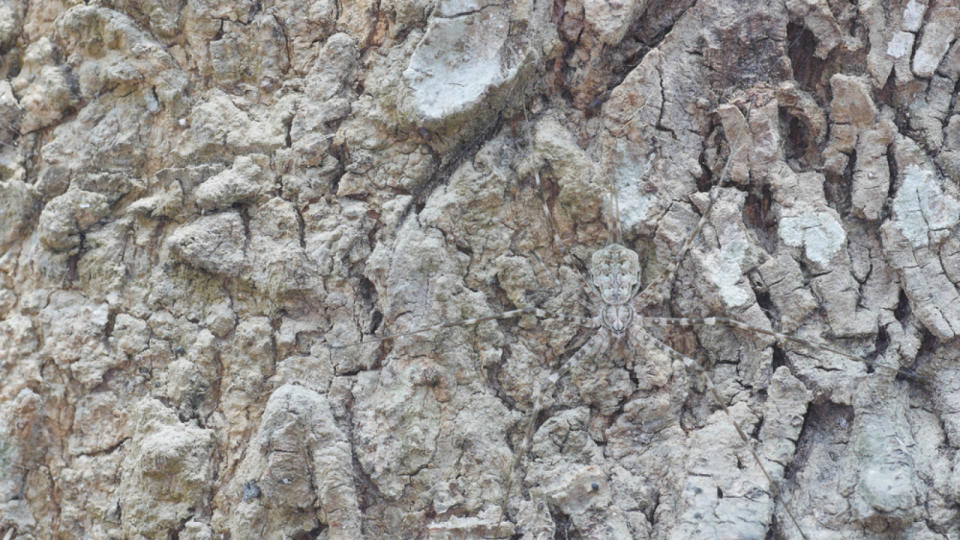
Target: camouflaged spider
(614, 283)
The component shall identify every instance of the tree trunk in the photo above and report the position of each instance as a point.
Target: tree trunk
(223, 227)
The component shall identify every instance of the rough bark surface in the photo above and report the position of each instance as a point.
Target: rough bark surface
(197, 199)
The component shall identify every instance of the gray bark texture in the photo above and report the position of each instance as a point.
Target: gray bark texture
(201, 202)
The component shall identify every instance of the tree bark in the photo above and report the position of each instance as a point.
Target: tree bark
(215, 220)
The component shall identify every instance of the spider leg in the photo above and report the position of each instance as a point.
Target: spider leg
(598, 344)
(696, 366)
(539, 313)
(780, 337)
(653, 293)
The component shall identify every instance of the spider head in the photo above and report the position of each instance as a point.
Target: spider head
(617, 319)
